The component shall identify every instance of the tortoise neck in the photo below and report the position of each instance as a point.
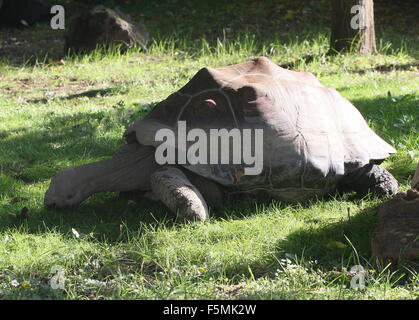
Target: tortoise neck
(104, 176)
(118, 174)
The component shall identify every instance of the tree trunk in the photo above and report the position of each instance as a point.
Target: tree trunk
(353, 26)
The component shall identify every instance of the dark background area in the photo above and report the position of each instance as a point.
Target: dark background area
(191, 21)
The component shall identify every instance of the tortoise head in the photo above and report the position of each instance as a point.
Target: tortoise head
(65, 190)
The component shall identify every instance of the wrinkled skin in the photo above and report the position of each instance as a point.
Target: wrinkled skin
(128, 170)
(65, 190)
(314, 141)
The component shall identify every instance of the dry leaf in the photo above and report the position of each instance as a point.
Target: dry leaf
(336, 244)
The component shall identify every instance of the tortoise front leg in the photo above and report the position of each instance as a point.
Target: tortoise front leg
(173, 188)
(370, 178)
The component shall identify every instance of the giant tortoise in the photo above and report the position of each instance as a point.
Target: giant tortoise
(314, 142)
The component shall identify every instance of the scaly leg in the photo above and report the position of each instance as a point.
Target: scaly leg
(173, 188)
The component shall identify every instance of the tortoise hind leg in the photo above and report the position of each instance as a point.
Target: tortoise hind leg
(173, 188)
(370, 178)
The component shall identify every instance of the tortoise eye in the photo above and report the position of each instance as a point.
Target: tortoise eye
(209, 103)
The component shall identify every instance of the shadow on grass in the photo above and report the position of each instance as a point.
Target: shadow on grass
(390, 68)
(32, 155)
(326, 244)
(323, 243)
(396, 120)
(36, 154)
(327, 249)
(104, 217)
(88, 94)
(29, 46)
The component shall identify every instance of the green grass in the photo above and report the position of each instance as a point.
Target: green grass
(54, 116)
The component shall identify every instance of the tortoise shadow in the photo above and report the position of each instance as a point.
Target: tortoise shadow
(316, 243)
(329, 248)
(104, 218)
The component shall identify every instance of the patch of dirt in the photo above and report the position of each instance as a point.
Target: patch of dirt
(228, 292)
(28, 45)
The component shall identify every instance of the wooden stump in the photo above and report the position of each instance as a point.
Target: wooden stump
(415, 180)
(344, 35)
(397, 232)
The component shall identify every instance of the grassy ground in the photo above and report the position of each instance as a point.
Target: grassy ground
(58, 114)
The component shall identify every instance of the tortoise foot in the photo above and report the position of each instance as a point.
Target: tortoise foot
(173, 188)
